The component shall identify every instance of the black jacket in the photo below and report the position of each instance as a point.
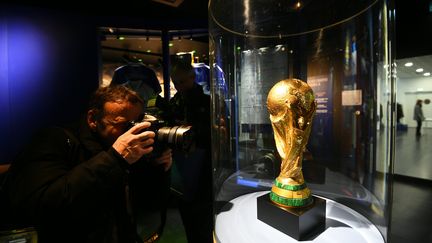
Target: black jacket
(193, 108)
(195, 167)
(72, 188)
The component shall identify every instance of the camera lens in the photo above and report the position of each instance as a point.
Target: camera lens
(180, 137)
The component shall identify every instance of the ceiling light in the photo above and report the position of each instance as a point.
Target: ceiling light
(426, 74)
(408, 64)
(170, 44)
(419, 70)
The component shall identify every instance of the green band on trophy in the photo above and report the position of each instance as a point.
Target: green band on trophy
(291, 202)
(290, 187)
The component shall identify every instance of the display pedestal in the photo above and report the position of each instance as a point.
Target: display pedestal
(238, 222)
(299, 223)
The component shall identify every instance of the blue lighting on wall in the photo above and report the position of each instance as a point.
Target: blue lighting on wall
(28, 52)
(24, 67)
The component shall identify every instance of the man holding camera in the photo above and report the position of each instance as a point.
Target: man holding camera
(72, 184)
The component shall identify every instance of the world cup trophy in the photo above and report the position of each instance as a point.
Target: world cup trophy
(292, 106)
(290, 207)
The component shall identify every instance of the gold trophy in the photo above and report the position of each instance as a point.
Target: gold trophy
(291, 105)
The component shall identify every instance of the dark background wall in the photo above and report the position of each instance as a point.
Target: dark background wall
(413, 28)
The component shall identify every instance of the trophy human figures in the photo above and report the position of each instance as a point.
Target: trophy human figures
(291, 105)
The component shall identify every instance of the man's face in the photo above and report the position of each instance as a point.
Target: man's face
(182, 80)
(116, 119)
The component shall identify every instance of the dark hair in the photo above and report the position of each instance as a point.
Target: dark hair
(117, 93)
(182, 66)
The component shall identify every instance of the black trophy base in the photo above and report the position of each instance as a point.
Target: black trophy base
(299, 223)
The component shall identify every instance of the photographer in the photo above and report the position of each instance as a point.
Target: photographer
(72, 184)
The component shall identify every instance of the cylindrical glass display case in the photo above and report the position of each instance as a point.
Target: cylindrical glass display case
(343, 51)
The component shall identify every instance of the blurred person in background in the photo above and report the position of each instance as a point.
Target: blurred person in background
(418, 116)
(190, 106)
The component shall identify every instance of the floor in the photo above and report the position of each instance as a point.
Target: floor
(174, 231)
(412, 207)
(412, 197)
(414, 154)
(412, 211)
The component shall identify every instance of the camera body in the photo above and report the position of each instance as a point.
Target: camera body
(175, 137)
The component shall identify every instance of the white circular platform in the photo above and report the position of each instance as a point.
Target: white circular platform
(240, 224)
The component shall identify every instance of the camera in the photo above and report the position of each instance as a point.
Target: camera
(175, 137)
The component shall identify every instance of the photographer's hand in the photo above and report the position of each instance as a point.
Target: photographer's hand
(165, 159)
(133, 144)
